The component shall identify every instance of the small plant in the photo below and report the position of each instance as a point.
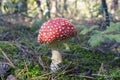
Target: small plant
(96, 37)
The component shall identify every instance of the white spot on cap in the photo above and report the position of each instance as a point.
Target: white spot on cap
(63, 27)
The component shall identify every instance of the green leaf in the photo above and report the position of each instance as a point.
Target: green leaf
(114, 27)
(87, 30)
(114, 37)
(96, 39)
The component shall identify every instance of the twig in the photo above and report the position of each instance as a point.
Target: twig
(89, 77)
(100, 75)
(5, 63)
(101, 69)
(27, 70)
(66, 68)
(41, 77)
(41, 62)
(7, 58)
(20, 72)
(63, 72)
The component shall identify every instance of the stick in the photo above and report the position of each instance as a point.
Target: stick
(7, 58)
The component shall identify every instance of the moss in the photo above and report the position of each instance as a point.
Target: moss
(8, 48)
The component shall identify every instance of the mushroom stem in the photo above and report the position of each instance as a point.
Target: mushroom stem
(56, 59)
(56, 56)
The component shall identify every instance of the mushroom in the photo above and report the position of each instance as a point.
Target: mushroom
(54, 32)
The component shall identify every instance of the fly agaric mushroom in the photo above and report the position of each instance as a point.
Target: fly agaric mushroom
(53, 32)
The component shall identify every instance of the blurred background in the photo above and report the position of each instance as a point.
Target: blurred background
(31, 12)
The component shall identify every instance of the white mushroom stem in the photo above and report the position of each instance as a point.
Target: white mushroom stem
(56, 59)
(56, 56)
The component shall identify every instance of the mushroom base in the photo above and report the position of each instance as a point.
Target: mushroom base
(56, 59)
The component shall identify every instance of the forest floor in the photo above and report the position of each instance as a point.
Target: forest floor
(29, 60)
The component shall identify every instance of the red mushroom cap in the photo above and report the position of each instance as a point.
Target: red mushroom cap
(56, 29)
